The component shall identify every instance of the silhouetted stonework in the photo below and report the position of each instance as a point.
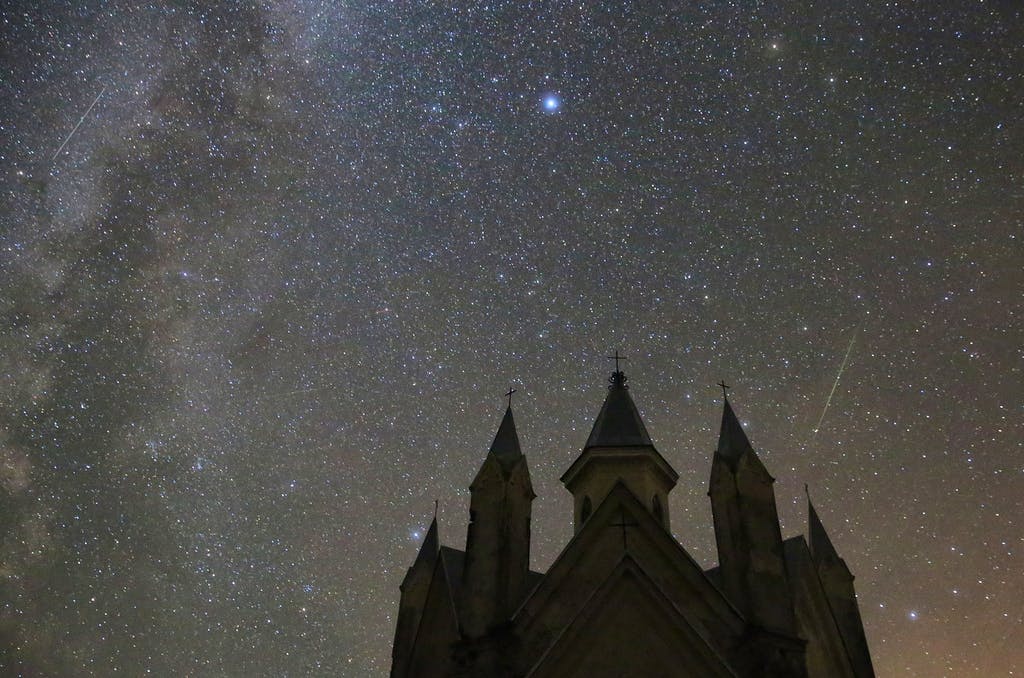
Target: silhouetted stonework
(624, 598)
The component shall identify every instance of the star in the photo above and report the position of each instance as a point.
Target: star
(551, 102)
(254, 307)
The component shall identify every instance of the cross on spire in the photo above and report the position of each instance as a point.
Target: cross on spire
(617, 358)
(509, 395)
(618, 378)
(725, 388)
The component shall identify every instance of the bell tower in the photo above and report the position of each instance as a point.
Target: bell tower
(619, 449)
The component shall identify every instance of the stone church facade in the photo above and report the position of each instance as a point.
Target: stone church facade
(624, 598)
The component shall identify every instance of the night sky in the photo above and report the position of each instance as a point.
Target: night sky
(267, 270)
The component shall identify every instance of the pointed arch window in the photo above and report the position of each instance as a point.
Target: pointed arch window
(586, 509)
(659, 512)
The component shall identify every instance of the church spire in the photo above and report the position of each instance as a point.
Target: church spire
(619, 449)
(822, 549)
(505, 447)
(747, 532)
(430, 546)
(415, 587)
(732, 440)
(837, 582)
(498, 538)
(619, 423)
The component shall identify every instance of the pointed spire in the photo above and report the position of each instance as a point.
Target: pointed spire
(619, 423)
(821, 545)
(732, 441)
(431, 543)
(505, 447)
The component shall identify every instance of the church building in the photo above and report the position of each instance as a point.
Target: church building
(624, 598)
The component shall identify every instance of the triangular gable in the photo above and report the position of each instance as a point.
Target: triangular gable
(629, 627)
(590, 558)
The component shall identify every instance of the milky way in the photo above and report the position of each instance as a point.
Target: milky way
(261, 308)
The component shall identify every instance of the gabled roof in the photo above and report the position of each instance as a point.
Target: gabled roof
(619, 423)
(644, 633)
(621, 524)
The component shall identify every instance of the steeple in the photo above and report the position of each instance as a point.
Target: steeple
(837, 582)
(747, 530)
(619, 449)
(414, 588)
(498, 539)
(821, 545)
(430, 546)
(733, 443)
(619, 423)
(505, 447)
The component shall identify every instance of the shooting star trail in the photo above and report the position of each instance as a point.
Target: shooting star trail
(80, 121)
(828, 401)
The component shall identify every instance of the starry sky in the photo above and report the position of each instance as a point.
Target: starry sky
(267, 269)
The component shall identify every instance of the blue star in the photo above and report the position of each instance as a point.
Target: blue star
(551, 102)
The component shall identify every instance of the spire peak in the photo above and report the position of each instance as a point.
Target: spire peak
(505, 447)
(619, 423)
(821, 544)
(431, 543)
(732, 440)
(618, 379)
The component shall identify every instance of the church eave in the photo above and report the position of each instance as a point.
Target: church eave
(619, 452)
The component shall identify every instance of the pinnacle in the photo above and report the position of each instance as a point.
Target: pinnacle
(505, 447)
(619, 423)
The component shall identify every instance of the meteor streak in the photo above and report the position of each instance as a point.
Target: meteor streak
(80, 121)
(828, 401)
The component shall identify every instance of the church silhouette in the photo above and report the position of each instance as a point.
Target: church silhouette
(624, 598)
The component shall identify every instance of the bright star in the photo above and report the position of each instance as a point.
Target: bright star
(551, 102)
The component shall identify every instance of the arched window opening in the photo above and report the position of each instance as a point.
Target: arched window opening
(656, 507)
(585, 511)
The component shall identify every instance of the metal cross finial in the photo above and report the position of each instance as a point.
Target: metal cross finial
(725, 387)
(509, 395)
(617, 358)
